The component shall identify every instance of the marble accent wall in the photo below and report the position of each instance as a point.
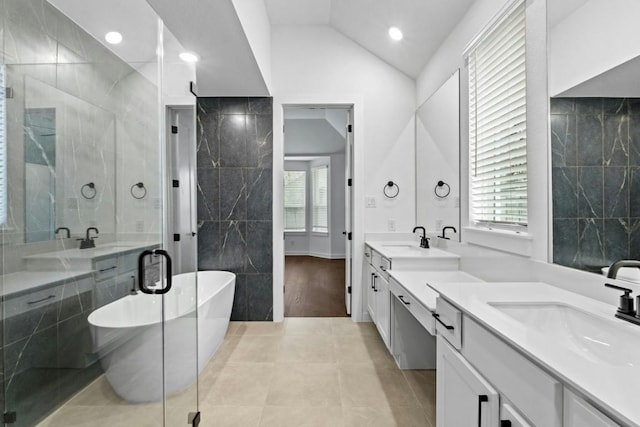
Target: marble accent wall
(595, 146)
(235, 198)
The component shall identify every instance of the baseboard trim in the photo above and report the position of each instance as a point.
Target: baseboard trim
(316, 255)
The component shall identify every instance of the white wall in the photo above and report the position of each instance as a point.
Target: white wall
(317, 65)
(255, 24)
(597, 37)
(447, 59)
(338, 65)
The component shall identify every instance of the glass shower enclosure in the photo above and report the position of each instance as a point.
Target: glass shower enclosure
(90, 314)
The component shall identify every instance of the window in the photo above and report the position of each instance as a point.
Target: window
(320, 196)
(3, 150)
(497, 123)
(295, 201)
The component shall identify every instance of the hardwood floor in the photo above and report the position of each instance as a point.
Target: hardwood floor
(314, 287)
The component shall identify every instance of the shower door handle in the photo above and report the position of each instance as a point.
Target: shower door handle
(141, 272)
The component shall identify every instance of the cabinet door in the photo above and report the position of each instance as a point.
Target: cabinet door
(383, 309)
(509, 417)
(464, 398)
(371, 294)
(579, 413)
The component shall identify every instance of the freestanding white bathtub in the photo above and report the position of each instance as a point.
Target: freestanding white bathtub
(128, 335)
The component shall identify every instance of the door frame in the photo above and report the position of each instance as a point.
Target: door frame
(356, 103)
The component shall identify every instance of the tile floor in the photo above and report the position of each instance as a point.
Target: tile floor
(302, 372)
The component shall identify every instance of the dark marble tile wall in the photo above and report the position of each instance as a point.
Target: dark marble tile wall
(595, 145)
(235, 198)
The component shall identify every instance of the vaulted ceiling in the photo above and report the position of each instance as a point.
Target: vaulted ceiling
(425, 24)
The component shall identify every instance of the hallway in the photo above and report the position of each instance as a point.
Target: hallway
(314, 287)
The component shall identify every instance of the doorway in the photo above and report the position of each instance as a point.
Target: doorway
(317, 206)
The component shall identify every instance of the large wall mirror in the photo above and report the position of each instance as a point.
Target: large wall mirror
(69, 156)
(594, 64)
(438, 159)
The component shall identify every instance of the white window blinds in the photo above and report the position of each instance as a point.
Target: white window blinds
(3, 149)
(320, 193)
(295, 201)
(497, 123)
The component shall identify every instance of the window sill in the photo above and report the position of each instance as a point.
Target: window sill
(319, 234)
(518, 243)
(295, 233)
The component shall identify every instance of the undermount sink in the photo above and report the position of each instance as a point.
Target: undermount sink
(593, 337)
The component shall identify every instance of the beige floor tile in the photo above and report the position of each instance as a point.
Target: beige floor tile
(232, 329)
(307, 326)
(304, 384)
(345, 326)
(98, 393)
(102, 416)
(258, 328)
(384, 417)
(252, 348)
(365, 385)
(245, 384)
(357, 349)
(230, 416)
(307, 348)
(226, 349)
(423, 384)
(283, 416)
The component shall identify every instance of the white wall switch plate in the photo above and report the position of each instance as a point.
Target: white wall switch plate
(370, 202)
(391, 224)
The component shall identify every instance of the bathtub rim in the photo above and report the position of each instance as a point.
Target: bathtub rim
(229, 278)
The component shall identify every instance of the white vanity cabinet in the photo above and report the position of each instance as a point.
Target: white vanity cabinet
(525, 395)
(383, 309)
(464, 397)
(579, 413)
(378, 295)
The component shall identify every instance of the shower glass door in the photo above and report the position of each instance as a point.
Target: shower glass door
(83, 193)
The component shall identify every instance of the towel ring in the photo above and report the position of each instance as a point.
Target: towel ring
(141, 193)
(388, 190)
(442, 189)
(89, 187)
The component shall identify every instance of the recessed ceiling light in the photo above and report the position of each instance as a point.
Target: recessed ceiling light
(395, 33)
(113, 37)
(189, 57)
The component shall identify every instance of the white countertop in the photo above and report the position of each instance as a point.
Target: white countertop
(417, 283)
(396, 249)
(106, 250)
(611, 385)
(22, 281)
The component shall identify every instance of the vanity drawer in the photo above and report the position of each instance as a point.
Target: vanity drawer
(448, 322)
(420, 312)
(106, 268)
(127, 262)
(425, 317)
(536, 394)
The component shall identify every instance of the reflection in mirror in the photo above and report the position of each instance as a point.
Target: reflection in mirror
(594, 63)
(68, 143)
(438, 159)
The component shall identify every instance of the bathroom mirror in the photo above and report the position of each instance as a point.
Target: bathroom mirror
(438, 159)
(69, 163)
(594, 64)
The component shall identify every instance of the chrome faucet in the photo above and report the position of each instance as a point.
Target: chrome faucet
(89, 242)
(65, 229)
(626, 309)
(424, 240)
